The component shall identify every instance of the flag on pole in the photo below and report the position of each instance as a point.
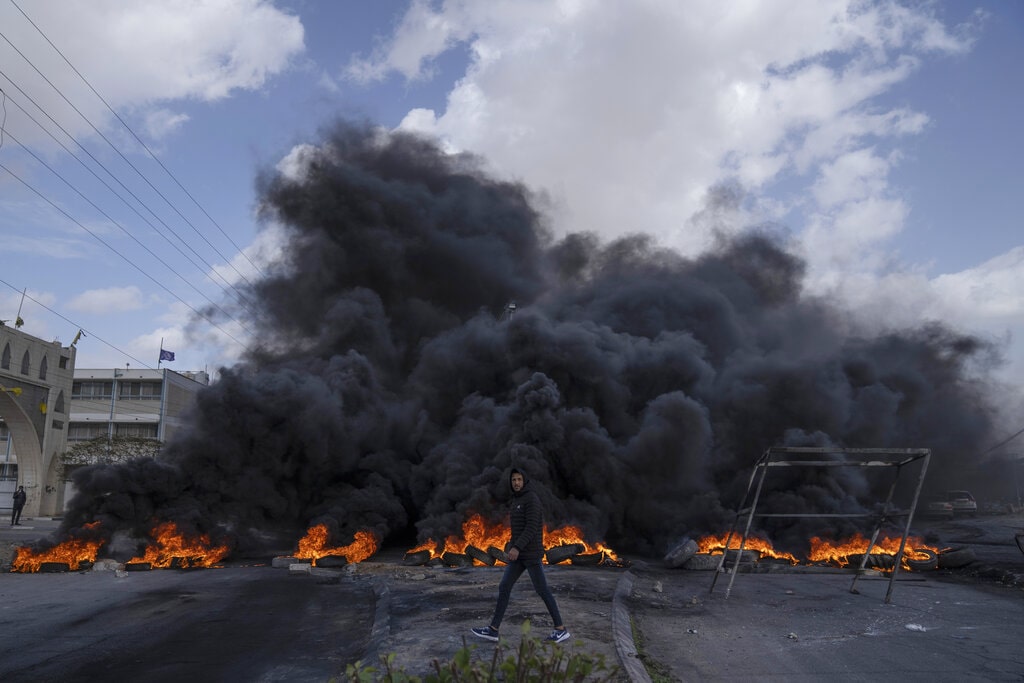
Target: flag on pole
(166, 355)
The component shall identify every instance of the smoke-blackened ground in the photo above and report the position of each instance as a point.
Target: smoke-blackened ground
(391, 384)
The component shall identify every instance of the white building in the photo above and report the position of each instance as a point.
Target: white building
(124, 402)
(47, 405)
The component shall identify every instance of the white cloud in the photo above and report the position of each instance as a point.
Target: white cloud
(626, 115)
(993, 290)
(161, 122)
(108, 301)
(163, 51)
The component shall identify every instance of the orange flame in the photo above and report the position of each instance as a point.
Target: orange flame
(73, 551)
(838, 552)
(715, 545)
(171, 546)
(313, 545)
(821, 550)
(479, 533)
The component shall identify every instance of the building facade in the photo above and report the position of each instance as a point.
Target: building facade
(122, 405)
(47, 406)
(35, 388)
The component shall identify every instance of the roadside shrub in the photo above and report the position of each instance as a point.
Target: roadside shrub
(533, 660)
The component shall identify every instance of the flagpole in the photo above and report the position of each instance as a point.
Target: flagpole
(160, 356)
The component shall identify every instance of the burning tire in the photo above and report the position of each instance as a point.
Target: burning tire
(678, 556)
(498, 554)
(702, 562)
(955, 558)
(457, 560)
(873, 561)
(923, 565)
(746, 557)
(420, 557)
(137, 566)
(561, 553)
(332, 561)
(53, 567)
(588, 559)
(480, 555)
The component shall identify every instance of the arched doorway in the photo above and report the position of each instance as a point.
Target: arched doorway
(26, 443)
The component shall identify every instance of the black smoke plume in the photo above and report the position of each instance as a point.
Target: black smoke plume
(392, 382)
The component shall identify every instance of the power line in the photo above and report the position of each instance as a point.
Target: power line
(138, 139)
(126, 259)
(122, 228)
(67, 320)
(209, 266)
(121, 154)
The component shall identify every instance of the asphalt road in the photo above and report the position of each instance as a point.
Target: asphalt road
(230, 624)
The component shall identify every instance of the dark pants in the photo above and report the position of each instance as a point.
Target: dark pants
(513, 571)
(16, 515)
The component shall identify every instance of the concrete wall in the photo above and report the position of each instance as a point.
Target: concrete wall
(35, 400)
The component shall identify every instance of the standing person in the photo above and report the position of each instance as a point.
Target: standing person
(524, 554)
(19, 503)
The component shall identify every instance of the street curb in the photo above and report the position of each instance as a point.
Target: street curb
(381, 622)
(622, 631)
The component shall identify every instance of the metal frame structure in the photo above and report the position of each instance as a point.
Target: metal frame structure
(798, 456)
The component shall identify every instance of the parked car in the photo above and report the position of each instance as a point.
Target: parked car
(938, 507)
(963, 502)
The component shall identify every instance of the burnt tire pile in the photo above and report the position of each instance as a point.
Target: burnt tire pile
(575, 553)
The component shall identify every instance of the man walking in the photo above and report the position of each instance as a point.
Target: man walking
(19, 503)
(525, 552)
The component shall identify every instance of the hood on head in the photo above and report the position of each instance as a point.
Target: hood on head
(526, 480)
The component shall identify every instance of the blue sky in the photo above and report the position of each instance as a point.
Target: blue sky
(882, 138)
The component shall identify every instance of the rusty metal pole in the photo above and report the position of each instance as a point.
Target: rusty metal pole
(750, 518)
(906, 529)
(874, 534)
(739, 512)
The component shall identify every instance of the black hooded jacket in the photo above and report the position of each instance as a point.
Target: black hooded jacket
(527, 520)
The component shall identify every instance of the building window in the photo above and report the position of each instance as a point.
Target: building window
(139, 390)
(59, 403)
(84, 431)
(26, 361)
(43, 367)
(63, 362)
(145, 430)
(5, 361)
(92, 390)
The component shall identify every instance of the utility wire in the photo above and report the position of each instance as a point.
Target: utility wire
(209, 267)
(137, 138)
(123, 157)
(123, 229)
(88, 333)
(1004, 441)
(126, 259)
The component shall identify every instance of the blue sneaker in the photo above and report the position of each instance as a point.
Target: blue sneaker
(558, 636)
(487, 633)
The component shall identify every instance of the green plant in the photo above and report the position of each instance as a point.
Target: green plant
(533, 661)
